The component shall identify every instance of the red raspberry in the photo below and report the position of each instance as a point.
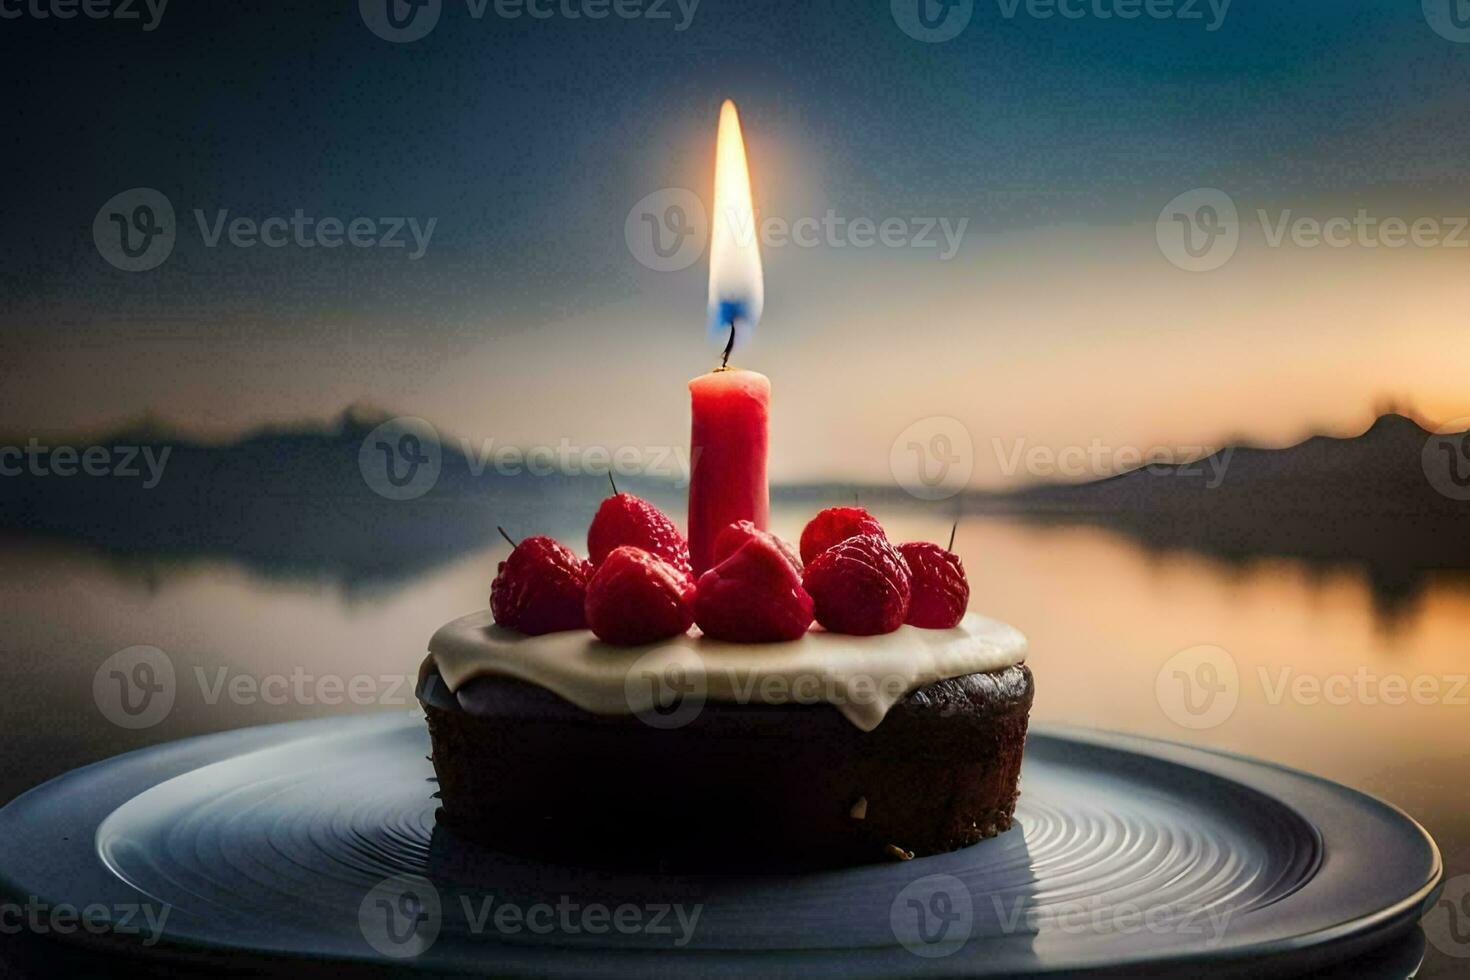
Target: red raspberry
(730, 540)
(754, 594)
(636, 597)
(540, 588)
(860, 586)
(624, 519)
(833, 525)
(941, 593)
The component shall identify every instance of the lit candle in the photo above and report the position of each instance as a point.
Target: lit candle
(731, 408)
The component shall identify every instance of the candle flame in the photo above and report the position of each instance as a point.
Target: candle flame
(737, 292)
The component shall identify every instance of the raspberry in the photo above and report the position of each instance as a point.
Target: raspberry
(859, 586)
(637, 597)
(833, 525)
(941, 593)
(540, 588)
(624, 519)
(730, 540)
(754, 594)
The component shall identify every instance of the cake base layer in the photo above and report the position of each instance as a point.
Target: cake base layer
(735, 785)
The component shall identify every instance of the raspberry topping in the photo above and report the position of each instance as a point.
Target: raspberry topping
(859, 586)
(754, 594)
(730, 540)
(833, 525)
(637, 597)
(624, 519)
(540, 588)
(941, 593)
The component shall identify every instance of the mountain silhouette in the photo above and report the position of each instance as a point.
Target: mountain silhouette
(285, 502)
(309, 501)
(1394, 500)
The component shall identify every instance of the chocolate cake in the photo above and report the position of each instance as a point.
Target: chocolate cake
(522, 769)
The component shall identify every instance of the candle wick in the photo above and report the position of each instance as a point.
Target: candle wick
(729, 349)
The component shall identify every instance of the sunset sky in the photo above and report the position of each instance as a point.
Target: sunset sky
(1059, 321)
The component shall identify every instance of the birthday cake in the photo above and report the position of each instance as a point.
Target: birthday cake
(728, 698)
(836, 705)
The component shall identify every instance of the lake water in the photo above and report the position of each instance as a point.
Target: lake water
(1273, 660)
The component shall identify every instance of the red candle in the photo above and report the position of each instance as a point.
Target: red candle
(728, 446)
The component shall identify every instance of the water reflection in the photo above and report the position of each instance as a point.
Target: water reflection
(1104, 615)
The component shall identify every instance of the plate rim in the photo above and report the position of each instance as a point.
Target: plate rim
(179, 757)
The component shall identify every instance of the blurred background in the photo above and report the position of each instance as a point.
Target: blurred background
(1161, 305)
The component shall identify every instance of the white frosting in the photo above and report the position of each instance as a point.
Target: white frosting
(861, 676)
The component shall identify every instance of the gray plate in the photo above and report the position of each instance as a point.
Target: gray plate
(317, 839)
